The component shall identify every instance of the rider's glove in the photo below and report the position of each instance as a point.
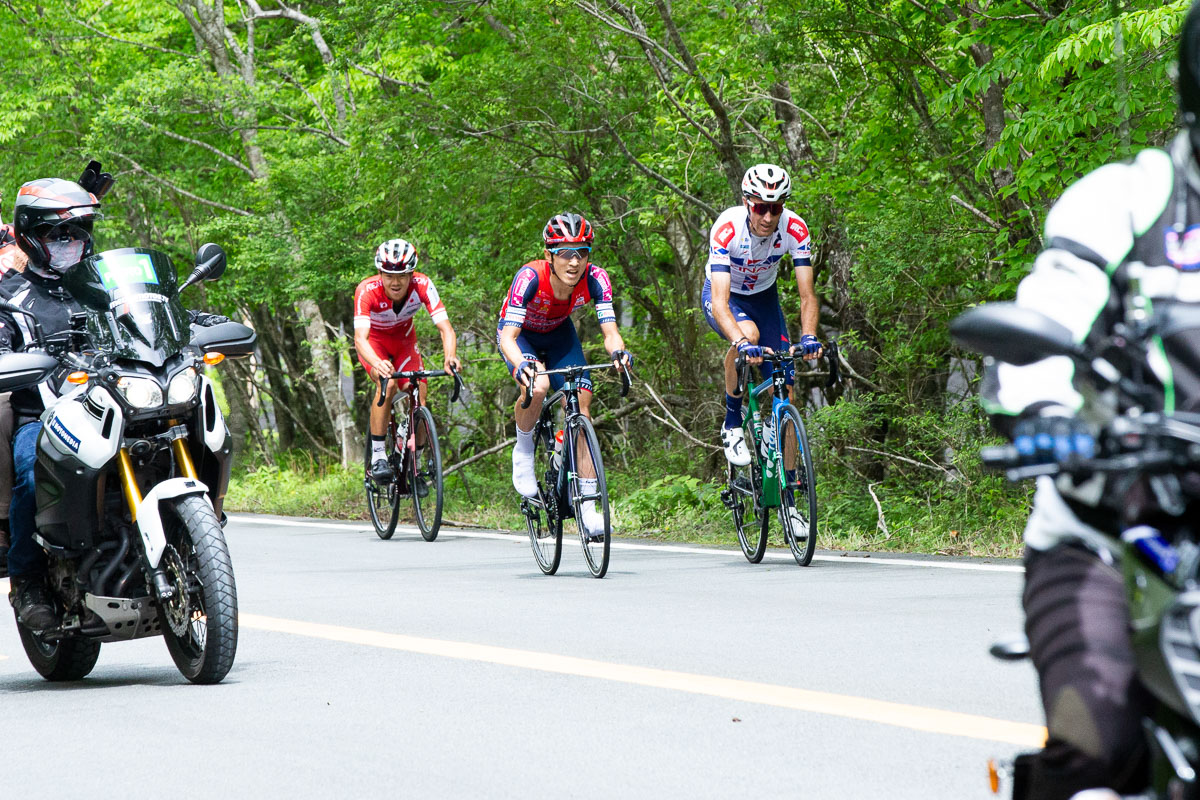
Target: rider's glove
(748, 350)
(206, 320)
(1054, 439)
(808, 345)
(622, 356)
(524, 373)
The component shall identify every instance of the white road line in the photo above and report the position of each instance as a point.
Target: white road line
(900, 715)
(662, 548)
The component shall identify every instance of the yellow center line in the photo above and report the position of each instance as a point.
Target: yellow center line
(900, 715)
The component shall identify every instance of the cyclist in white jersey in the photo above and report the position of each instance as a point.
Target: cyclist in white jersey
(741, 301)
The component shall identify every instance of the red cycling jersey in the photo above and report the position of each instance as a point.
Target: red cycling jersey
(532, 306)
(392, 333)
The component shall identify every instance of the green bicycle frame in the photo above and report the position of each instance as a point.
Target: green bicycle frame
(772, 462)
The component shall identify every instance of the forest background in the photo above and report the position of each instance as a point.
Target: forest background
(926, 141)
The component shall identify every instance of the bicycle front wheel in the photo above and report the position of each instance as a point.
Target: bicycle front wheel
(383, 500)
(425, 463)
(743, 497)
(589, 504)
(798, 501)
(543, 517)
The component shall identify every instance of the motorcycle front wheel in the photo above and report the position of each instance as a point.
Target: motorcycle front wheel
(200, 622)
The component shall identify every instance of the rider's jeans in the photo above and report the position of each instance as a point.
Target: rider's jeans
(24, 555)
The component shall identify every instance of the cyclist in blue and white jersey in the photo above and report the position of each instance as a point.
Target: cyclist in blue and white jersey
(747, 243)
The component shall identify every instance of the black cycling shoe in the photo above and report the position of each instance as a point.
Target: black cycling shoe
(32, 603)
(381, 471)
(421, 486)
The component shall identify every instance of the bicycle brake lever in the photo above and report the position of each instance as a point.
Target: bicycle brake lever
(458, 385)
(831, 358)
(383, 382)
(626, 380)
(528, 396)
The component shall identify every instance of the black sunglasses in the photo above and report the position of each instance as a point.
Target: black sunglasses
(762, 208)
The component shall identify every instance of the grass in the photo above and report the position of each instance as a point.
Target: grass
(662, 502)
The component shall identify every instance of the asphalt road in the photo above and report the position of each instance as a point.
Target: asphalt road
(403, 668)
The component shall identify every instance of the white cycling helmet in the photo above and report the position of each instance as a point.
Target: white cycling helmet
(396, 256)
(766, 182)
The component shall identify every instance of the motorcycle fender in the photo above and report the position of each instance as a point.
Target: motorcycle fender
(149, 517)
(211, 418)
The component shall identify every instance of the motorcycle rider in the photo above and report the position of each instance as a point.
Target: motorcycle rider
(1123, 232)
(52, 224)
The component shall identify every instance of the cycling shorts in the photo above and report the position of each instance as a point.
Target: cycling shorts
(400, 349)
(761, 308)
(556, 349)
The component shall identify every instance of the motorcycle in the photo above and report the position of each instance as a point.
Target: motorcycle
(1149, 462)
(133, 461)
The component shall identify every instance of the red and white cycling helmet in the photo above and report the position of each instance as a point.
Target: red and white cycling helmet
(766, 182)
(567, 229)
(396, 256)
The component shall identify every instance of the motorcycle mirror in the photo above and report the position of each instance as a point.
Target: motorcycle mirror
(1012, 334)
(210, 265)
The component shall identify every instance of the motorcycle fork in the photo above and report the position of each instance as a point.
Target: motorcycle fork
(133, 498)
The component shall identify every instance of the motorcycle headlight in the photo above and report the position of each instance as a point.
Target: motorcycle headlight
(140, 392)
(182, 387)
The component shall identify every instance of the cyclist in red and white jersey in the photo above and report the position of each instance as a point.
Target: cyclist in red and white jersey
(385, 336)
(747, 244)
(535, 332)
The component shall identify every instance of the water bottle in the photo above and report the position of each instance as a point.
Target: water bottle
(556, 453)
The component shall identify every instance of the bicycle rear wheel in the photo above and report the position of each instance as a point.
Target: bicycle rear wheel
(383, 500)
(543, 517)
(426, 475)
(798, 501)
(743, 497)
(596, 544)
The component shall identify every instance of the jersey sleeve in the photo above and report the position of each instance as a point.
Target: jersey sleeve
(362, 307)
(601, 290)
(799, 243)
(524, 288)
(718, 245)
(433, 302)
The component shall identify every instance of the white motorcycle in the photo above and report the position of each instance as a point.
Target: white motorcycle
(133, 461)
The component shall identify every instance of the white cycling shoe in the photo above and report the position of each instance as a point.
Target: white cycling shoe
(593, 520)
(524, 475)
(734, 440)
(799, 525)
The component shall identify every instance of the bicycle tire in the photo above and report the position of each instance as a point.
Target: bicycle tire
(799, 488)
(751, 532)
(595, 551)
(544, 518)
(425, 469)
(383, 502)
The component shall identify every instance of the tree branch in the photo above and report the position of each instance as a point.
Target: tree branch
(200, 144)
(959, 201)
(712, 212)
(179, 190)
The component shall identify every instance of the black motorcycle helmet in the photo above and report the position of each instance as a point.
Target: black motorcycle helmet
(1189, 74)
(52, 223)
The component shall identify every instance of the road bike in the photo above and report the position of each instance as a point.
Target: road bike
(566, 452)
(780, 474)
(411, 444)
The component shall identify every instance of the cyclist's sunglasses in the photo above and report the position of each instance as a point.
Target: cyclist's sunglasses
(568, 253)
(762, 208)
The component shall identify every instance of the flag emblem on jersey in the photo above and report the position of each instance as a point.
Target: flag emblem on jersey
(1184, 251)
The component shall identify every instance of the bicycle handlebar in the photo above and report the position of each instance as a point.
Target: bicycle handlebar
(830, 355)
(417, 374)
(626, 378)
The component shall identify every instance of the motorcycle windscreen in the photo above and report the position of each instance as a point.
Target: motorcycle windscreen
(131, 299)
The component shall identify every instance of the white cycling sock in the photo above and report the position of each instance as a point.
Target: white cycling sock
(588, 486)
(377, 450)
(524, 441)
